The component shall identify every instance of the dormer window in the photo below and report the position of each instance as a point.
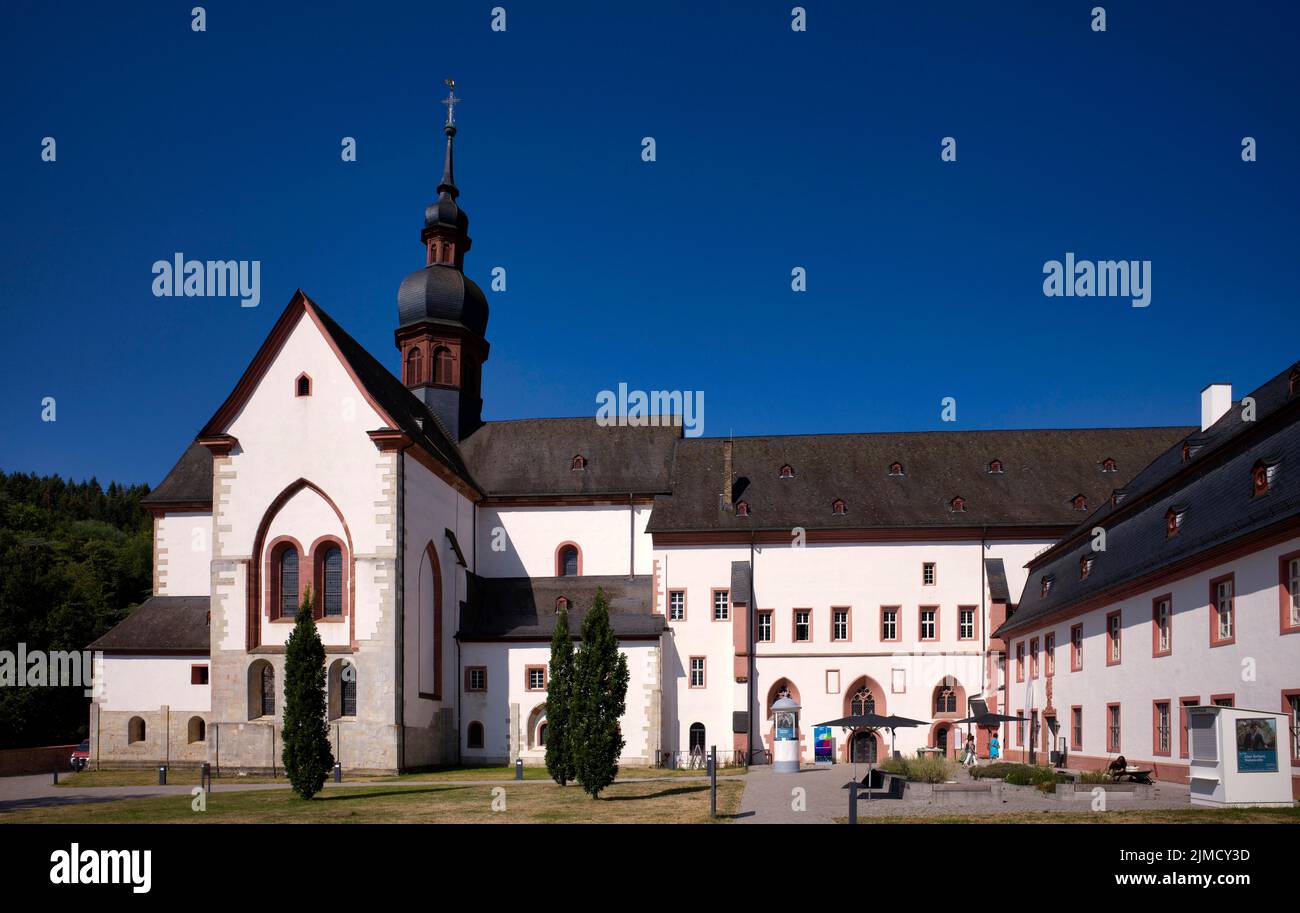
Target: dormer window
(562, 604)
(839, 507)
(995, 467)
(1262, 476)
(895, 468)
(302, 386)
(742, 508)
(578, 463)
(1085, 566)
(787, 471)
(1115, 497)
(1108, 465)
(957, 505)
(1173, 521)
(1079, 502)
(1046, 584)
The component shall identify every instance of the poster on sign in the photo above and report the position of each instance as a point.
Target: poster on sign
(823, 746)
(1256, 745)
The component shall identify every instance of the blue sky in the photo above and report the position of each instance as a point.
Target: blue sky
(775, 149)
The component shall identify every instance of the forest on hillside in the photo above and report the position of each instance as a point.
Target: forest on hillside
(74, 559)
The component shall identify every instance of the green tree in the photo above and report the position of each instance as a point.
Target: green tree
(559, 700)
(599, 697)
(307, 756)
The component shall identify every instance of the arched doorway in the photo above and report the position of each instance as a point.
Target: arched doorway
(864, 747)
(941, 737)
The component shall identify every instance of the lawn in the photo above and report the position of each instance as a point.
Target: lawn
(189, 776)
(1127, 816)
(623, 803)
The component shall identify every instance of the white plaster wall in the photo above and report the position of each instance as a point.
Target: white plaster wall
(306, 517)
(140, 683)
(184, 544)
(506, 665)
(1255, 669)
(432, 507)
(532, 535)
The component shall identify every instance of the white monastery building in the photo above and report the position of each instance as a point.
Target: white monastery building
(914, 574)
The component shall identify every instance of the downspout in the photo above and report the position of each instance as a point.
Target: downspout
(750, 645)
(460, 622)
(399, 591)
(984, 618)
(631, 536)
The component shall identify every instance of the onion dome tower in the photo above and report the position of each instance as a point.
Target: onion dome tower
(442, 314)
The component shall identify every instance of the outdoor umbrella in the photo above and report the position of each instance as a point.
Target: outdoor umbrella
(896, 722)
(866, 721)
(991, 720)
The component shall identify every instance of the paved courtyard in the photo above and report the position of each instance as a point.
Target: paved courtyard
(772, 798)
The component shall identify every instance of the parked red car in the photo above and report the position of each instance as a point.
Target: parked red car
(81, 755)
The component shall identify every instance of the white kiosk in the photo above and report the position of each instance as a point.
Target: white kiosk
(785, 740)
(1239, 757)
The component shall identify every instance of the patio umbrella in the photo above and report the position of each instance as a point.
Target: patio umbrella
(991, 720)
(896, 722)
(860, 721)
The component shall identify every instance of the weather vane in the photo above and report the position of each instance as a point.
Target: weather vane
(450, 102)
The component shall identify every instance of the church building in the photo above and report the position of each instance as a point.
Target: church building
(885, 572)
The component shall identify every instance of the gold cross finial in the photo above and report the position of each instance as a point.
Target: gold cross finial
(450, 101)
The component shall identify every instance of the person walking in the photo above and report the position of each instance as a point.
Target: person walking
(968, 754)
(995, 747)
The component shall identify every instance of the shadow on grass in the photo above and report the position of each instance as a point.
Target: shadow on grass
(663, 793)
(413, 791)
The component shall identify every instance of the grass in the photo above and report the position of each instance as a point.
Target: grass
(928, 769)
(187, 776)
(1127, 816)
(1041, 776)
(449, 803)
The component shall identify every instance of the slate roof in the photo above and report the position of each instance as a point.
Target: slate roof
(534, 457)
(189, 482)
(1043, 470)
(1213, 489)
(171, 624)
(995, 572)
(523, 608)
(741, 582)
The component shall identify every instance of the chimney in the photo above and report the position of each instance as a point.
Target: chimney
(725, 497)
(1216, 400)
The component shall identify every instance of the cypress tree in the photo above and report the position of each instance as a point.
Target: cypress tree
(307, 756)
(559, 698)
(600, 679)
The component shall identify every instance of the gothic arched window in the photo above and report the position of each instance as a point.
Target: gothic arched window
(442, 373)
(414, 366)
(332, 581)
(285, 564)
(863, 703)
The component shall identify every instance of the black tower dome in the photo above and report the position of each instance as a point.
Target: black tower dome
(442, 314)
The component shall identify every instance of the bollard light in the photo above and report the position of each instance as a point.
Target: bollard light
(162, 775)
(519, 768)
(338, 773)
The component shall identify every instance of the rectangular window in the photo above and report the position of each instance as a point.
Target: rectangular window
(535, 678)
(721, 605)
(1291, 592)
(839, 624)
(929, 623)
(1114, 630)
(676, 605)
(1222, 700)
(889, 623)
(1076, 729)
(927, 574)
(1163, 737)
(1162, 617)
(966, 622)
(697, 671)
(765, 627)
(1184, 732)
(1222, 621)
(198, 675)
(476, 678)
(1076, 648)
(1112, 727)
(802, 625)
(1293, 703)
(1033, 657)
(1049, 653)
(1020, 728)
(1020, 661)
